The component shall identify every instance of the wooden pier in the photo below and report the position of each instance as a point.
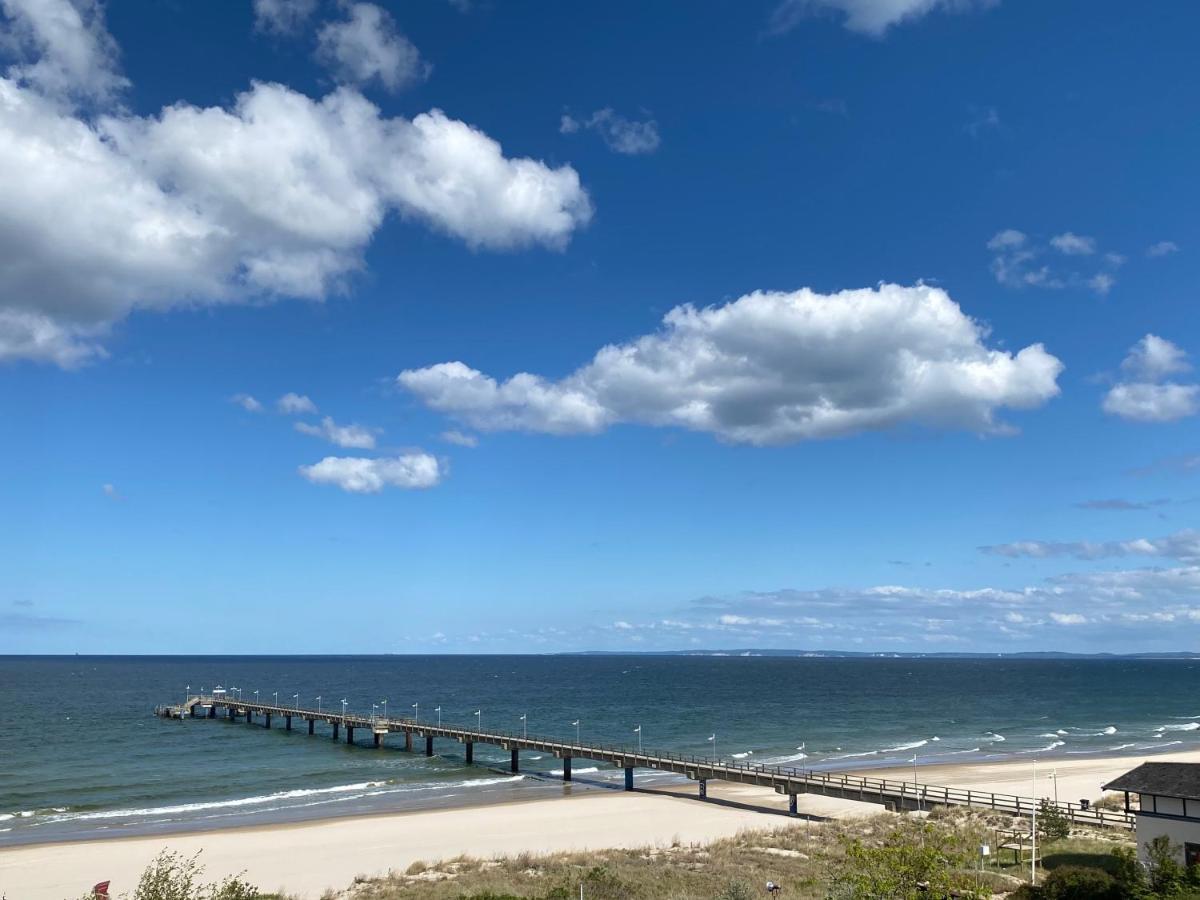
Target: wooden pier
(896, 795)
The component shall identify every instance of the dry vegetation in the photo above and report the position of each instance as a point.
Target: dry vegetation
(816, 861)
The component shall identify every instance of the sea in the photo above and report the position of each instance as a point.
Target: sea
(83, 756)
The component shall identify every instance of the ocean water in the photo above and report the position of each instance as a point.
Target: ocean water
(82, 755)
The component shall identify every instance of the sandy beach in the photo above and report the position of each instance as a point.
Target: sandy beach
(306, 859)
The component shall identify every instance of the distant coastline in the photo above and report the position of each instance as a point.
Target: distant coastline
(866, 654)
(716, 652)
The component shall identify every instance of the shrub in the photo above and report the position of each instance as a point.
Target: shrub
(1053, 825)
(172, 876)
(1080, 883)
(1166, 875)
(1128, 872)
(914, 861)
(735, 890)
(1114, 802)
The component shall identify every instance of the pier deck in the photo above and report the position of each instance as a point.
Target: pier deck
(897, 795)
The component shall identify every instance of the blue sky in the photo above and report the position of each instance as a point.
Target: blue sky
(841, 324)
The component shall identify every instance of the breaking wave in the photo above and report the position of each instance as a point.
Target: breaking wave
(359, 789)
(1051, 746)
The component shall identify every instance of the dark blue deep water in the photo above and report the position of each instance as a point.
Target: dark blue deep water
(81, 753)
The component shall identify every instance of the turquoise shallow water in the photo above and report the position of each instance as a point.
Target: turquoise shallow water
(82, 755)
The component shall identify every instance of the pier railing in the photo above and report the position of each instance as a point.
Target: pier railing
(784, 779)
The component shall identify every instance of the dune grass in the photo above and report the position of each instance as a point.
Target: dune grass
(812, 861)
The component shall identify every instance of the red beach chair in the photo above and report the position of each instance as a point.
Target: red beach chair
(100, 891)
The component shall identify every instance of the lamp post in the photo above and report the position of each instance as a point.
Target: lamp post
(343, 706)
(187, 694)
(417, 711)
(1033, 830)
(713, 740)
(256, 696)
(318, 704)
(276, 696)
(438, 710)
(524, 726)
(638, 732)
(915, 789)
(296, 697)
(374, 707)
(576, 724)
(478, 720)
(1054, 778)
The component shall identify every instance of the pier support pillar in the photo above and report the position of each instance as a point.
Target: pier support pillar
(377, 736)
(287, 723)
(629, 778)
(408, 741)
(268, 722)
(229, 712)
(349, 734)
(192, 711)
(791, 804)
(703, 782)
(516, 763)
(312, 724)
(212, 712)
(470, 752)
(566, 768)
(429, 745)
(336, 726)
(249, 717)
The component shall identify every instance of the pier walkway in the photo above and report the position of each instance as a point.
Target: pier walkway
(896, 795)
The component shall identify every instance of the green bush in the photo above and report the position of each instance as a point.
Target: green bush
(735, 890)
(173, 876)
(1053, 825)
(916, 860)
(1167, 877)
(1079, 883)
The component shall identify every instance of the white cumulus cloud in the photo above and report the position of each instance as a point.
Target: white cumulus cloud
(283, 16)
(770, 368)
(1182, 545)
(293, 404)
(277, 195)
(247, 402)
(1162, 248)
(64, 49)
(872, 17)
(1068, 618)
(368, 47)
(353, 436)
(1019, 261)
(459, 438)
(362, 475)
(622, 135)
(1072, 244)
(1145, 394)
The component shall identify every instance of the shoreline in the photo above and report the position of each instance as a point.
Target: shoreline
(1075, 778)
(305, 858)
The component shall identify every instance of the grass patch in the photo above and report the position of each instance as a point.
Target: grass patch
(809, 860)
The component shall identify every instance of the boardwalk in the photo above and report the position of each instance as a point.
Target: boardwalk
(897, 795)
